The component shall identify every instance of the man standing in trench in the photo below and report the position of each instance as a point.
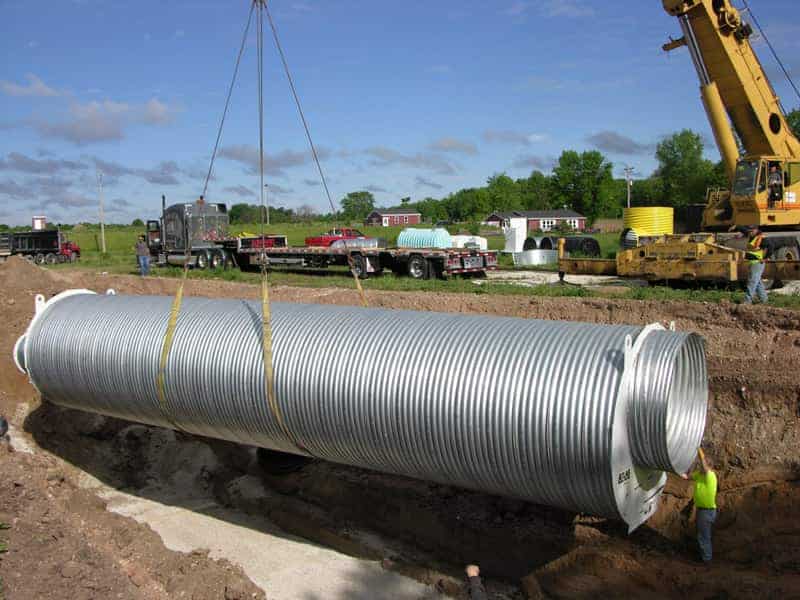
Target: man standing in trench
(705, 501)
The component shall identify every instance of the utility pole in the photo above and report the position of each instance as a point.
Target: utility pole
(266, 201)
(629, 179)
(102, 212)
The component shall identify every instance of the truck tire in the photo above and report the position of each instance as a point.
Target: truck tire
(50, 258)
(39, 259)
(787, 253)
(217, 260)
(417, 267)
(273, 462)
(359, 265)
(202, 261)
(29, 257)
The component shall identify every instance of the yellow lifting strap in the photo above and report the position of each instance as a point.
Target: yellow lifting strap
(359, 287)
(269, 376)
(166, 347)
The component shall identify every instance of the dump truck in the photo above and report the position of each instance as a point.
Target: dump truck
(738, 97)
(49, 246)
(198, 234)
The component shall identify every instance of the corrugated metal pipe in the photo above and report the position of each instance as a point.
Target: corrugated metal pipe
(579, 416)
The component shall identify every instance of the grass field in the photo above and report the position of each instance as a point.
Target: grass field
(119, 258)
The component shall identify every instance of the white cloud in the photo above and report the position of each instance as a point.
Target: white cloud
(156, 112)
(104, 121)
(549, 8)
(449, 144)
(433, 162)
(35, 87)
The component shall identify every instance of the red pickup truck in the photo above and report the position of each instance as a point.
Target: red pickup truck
(326, 239)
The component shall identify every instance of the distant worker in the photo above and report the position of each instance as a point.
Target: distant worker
(755, 255)
(143, 256)
(775, 185)
(705, 502)
(476, 590)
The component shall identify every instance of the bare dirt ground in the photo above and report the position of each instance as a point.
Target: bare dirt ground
(61, 500)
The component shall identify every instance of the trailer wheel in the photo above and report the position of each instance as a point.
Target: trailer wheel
(217, 260)
(29, 257)
(202, 261)
(39, 259)
(359, 265)
(273, 462)
(417, 267)
(50, 258)
(787, 253)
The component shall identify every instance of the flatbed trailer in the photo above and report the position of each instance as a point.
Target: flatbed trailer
(197, 234)
(418, 263)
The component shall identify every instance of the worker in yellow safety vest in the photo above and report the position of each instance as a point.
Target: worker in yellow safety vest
(705, 503)
(755, 255)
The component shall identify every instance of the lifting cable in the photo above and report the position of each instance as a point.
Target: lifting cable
(266, 314)
(772, 49)
(172, 322)
(314, 153)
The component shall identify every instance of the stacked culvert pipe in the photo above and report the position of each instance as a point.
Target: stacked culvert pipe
(579, 416)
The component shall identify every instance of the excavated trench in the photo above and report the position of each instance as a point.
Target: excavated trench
(429, 531)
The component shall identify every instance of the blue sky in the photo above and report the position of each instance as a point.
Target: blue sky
(404, 98)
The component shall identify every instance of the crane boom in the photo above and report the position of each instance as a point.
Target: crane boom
(738, 96)
(719, 41)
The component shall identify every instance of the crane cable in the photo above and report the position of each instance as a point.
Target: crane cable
(772, 49)
(228, 99)
(175, 309)
(266, 314)
(314, 153)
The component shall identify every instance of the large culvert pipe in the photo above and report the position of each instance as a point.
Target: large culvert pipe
(579, 416)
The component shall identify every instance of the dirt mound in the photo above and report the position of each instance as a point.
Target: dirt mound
(62, 543)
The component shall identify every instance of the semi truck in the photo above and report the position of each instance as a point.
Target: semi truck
(49, 246)
(742, 105)
(198, 234)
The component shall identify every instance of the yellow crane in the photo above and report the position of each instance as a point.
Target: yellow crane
(738, 96)
(763, 165)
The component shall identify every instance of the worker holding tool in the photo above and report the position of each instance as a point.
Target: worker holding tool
(755, 255)
(705, 502)
(143, 256)
(476, 590)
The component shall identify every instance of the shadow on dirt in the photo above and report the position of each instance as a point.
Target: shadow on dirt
(361, 513)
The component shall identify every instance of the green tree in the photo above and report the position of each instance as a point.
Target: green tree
(584, 182)
(137, 223)
(357, 205)
(536, 192)
(503, 193)
(794, 121)
(685, 175)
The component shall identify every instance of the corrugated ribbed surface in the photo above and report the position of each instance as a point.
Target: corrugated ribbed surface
(650, 220)
(517, 407)
(424, 238)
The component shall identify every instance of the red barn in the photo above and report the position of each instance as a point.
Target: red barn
(388, 217)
